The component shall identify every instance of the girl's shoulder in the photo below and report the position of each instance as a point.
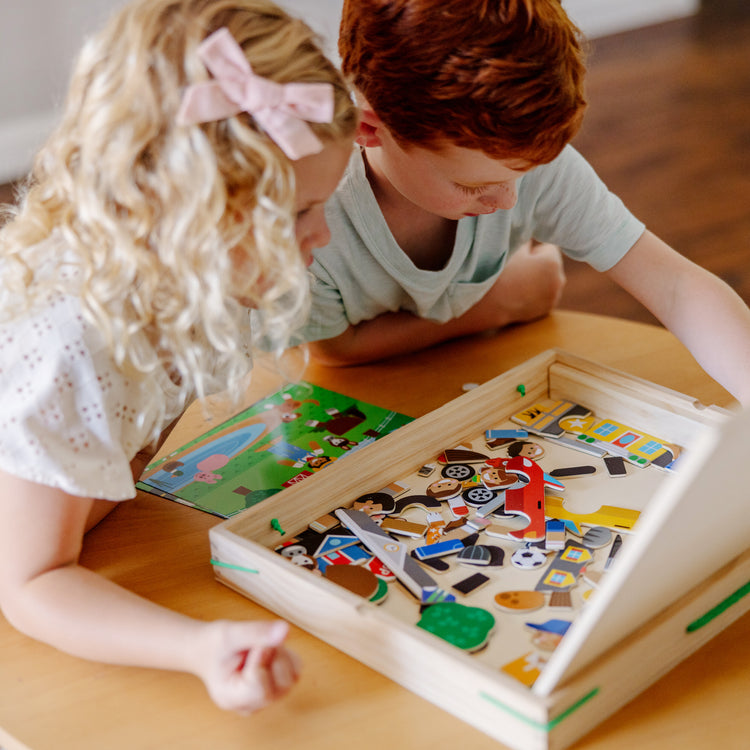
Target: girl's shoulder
(69, 416)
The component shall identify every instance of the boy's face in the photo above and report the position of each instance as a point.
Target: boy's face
(452, 183)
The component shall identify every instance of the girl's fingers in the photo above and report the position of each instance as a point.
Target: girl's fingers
(274, 670)
(284, 671)
(253, 668)
(270, 665)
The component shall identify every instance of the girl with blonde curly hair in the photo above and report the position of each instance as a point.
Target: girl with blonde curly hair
(183, 187)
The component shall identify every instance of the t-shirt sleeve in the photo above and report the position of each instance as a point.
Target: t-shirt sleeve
(574, 209)
(69, 418)
(328, 316)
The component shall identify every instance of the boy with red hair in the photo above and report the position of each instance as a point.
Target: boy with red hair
(450, 215)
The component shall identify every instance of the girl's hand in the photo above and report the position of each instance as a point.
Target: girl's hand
(47, 595)
(244, 664)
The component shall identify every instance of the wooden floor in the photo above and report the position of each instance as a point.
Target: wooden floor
(6, 193)
(668, 129)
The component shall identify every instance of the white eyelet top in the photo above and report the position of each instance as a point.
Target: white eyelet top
(69, 417)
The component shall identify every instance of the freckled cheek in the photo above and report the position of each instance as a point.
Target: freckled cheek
(448, 201)
(504, 197)
(425, 190)
(445, 207)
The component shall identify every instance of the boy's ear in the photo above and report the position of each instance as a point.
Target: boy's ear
(369, 128)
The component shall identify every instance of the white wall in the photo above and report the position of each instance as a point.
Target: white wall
(33, 85)
(603, 17)
(322, 16)
(38, 41)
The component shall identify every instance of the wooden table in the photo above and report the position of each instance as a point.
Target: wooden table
(51, 701)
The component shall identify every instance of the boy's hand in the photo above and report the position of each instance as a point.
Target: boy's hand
(244, 664)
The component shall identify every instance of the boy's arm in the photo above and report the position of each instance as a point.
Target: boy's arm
(699, 308)
(387, 335)
(528, 288)
(46, 594)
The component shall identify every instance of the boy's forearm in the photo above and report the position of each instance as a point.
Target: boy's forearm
(717, 332)
(708, 316)
(528, 288)
(387, 335)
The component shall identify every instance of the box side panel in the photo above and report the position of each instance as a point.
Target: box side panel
(659, 411)
(621, 381)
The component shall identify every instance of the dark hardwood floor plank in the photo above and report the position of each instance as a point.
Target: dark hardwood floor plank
(668, 129)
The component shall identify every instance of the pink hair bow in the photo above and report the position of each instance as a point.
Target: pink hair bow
(282, 110)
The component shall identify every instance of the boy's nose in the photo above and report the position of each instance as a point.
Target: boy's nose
(501, 197)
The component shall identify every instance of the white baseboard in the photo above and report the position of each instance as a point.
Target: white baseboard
(20, 138)
(599, 18)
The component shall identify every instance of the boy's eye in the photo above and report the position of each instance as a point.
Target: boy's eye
(470, 190)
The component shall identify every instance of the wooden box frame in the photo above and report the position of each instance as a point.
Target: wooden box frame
(616, 653)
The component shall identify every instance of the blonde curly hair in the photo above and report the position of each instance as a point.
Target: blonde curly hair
(150, 211)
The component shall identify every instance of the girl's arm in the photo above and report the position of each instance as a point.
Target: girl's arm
(699, 308)
(47, 595)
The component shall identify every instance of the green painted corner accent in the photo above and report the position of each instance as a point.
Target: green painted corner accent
(220, 564)
(544, 726)
(712, 614)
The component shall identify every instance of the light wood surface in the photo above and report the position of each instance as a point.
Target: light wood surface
(50, 701)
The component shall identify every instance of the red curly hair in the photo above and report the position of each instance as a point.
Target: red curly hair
(501, 76)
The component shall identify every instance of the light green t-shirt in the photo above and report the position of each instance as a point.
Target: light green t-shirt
(363, 273)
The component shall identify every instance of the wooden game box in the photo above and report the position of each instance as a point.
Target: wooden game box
(680, 577)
